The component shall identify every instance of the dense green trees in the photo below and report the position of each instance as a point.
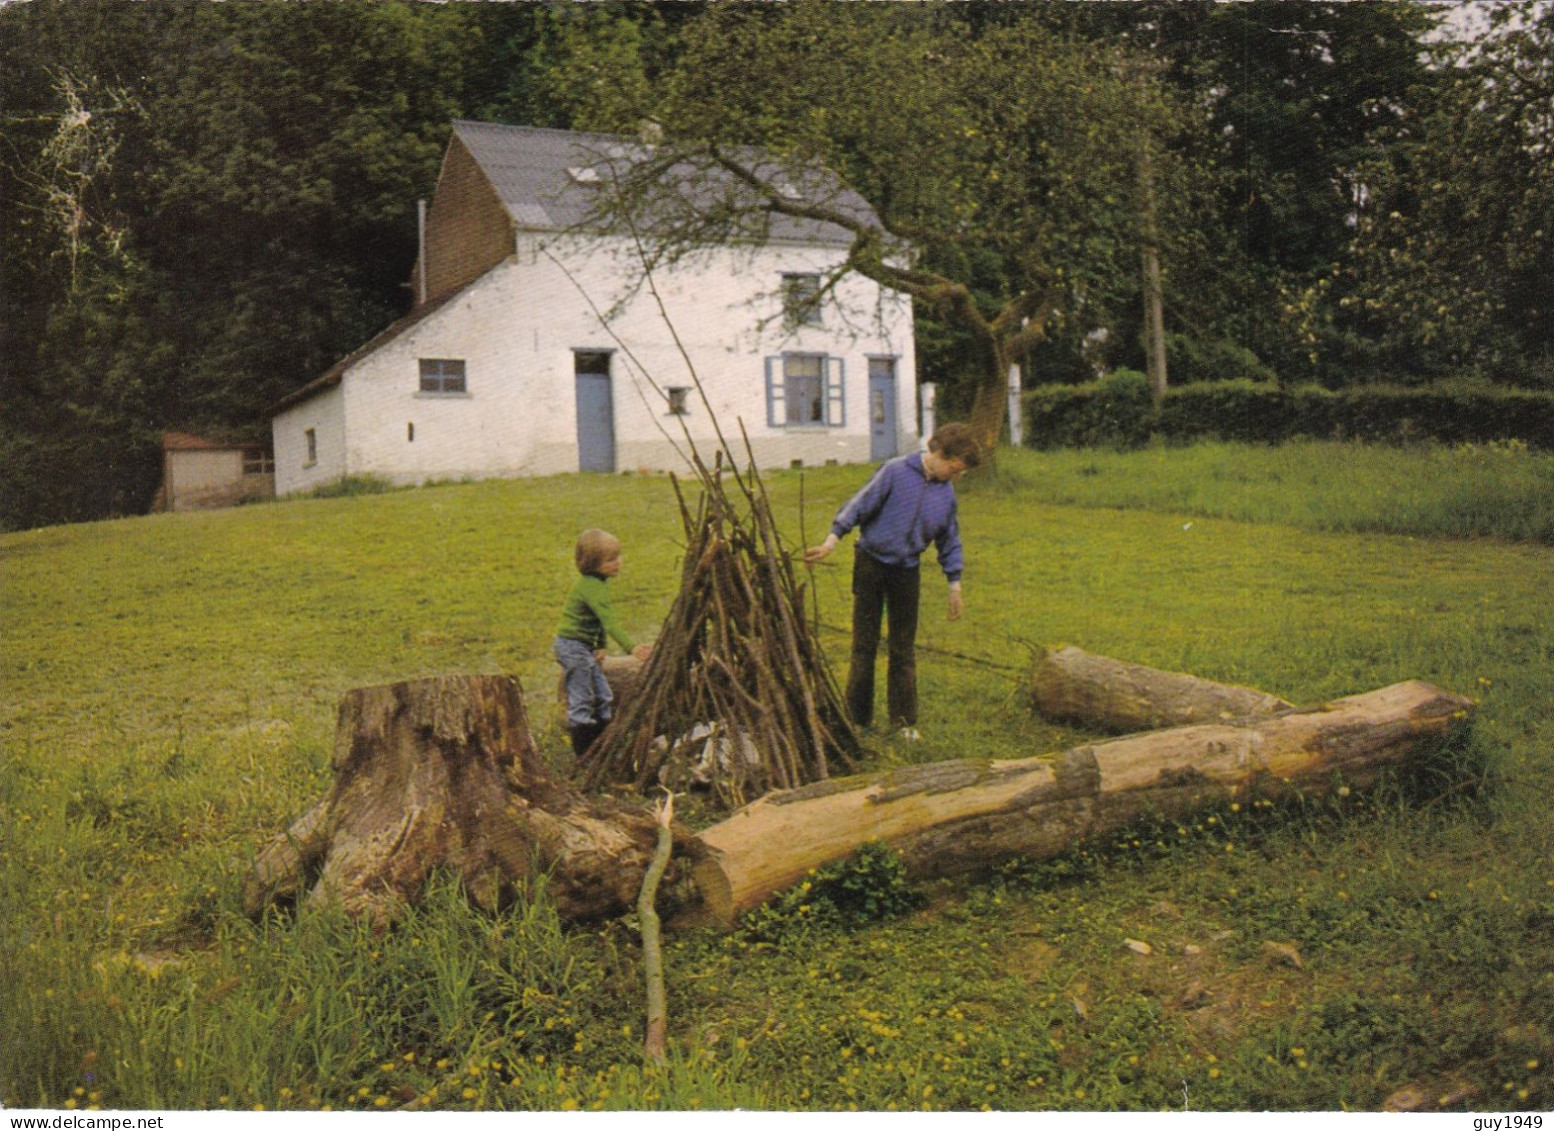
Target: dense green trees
(1004, 163)
(1450, 269)
(206, 205)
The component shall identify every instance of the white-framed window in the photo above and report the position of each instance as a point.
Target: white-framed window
(805, 390)
(442, 375)
(801, 299)
(678, 397)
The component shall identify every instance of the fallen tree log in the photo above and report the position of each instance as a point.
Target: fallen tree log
(443, 774)
(1071, 685)
(956, 817)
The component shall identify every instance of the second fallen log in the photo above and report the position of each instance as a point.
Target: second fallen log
(956, 817)
(1074, 686)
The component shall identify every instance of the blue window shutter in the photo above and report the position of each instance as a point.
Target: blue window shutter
(775, 401)
(836, 391)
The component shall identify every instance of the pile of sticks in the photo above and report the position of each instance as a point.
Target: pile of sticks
(737, 694)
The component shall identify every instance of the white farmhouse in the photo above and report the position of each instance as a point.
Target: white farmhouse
(530, 351)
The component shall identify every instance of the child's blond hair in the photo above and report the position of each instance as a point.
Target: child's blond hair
(594, 548)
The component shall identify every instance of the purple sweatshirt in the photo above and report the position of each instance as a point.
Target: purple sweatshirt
(900, 510)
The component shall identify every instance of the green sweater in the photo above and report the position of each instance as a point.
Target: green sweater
(588, 615)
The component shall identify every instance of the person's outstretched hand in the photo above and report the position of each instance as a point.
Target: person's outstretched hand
(815, 553)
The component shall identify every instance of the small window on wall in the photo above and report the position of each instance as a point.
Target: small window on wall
(312, 441)
(442, 375)
(677, 396)
(596, 362)
(801, 300)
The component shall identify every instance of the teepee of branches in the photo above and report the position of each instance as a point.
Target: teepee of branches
(737, 692)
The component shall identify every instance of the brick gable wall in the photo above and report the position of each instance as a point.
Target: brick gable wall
(468, 231)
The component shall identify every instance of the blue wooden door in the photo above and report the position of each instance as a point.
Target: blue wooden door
(882, 408)
(595, 414)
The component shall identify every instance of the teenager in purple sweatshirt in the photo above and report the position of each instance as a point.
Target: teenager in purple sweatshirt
(909, 503)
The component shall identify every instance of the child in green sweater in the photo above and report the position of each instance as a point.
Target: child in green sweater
(586, 620)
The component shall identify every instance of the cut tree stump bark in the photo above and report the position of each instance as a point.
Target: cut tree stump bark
(956, 817)
(444, 774)
(1071, 685)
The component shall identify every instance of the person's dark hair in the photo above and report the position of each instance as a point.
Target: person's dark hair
(594, 548)
(956, 441)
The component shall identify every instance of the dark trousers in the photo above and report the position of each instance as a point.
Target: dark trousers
(881, 591)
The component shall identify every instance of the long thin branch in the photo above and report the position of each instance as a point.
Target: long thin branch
(654, 1045)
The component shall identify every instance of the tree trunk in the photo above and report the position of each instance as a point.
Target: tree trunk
(987, 416)
(1071, 685)
(955, 817)
(442, 774)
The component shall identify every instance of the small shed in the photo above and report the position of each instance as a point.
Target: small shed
(200, 473)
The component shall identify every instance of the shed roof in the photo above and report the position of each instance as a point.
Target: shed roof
(189, 442)
(549, 179)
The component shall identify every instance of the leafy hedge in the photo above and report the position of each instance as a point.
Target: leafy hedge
(1109, 413)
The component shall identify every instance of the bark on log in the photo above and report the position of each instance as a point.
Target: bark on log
(955, 817)
(1074, 686)
(443, 774)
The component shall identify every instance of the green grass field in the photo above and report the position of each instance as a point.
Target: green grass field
(167, 695)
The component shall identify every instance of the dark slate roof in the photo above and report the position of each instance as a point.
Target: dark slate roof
(544, 178)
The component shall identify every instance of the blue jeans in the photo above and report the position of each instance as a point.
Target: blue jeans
(589, 698)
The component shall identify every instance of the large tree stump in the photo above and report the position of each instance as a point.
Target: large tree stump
(443, 774)
(1074, 686)
(956, 817)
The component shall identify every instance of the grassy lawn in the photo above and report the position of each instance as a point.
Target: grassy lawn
(167, 695)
